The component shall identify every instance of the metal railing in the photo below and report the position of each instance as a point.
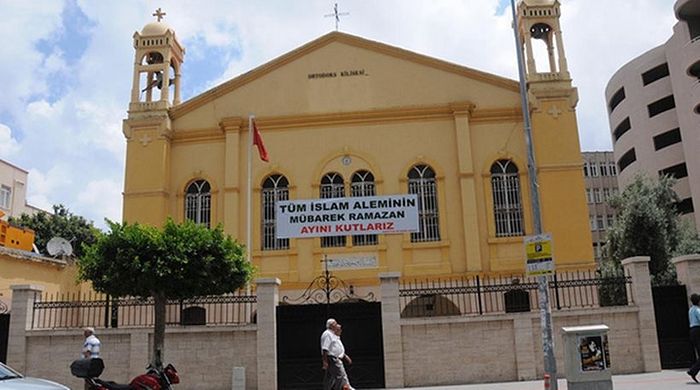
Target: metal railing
(478, 295)
(57, 311)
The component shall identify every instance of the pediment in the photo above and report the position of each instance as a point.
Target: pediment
(339, 73)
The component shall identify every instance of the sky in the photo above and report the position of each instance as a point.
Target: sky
(66, 67)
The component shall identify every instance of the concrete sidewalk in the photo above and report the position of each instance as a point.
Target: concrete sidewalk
(664, 380)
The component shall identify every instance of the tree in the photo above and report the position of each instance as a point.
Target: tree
(178, 262)
(648, 224)
(61, 223)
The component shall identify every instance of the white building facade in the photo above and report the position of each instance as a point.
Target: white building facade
(13, 191)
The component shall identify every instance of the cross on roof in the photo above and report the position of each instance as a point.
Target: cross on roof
(159, 14)
(337, 15)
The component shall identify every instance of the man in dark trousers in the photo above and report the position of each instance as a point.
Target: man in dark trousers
(694, 319)
(333, 354)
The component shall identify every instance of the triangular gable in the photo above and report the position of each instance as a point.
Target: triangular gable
(252, 75)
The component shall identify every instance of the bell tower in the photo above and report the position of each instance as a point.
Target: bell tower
(148, 129)
(539, 20)
(552, 100)
(157, 62)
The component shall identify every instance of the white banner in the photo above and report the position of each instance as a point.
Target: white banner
(347, 216)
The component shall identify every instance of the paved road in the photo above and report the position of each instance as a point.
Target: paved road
(664, 380)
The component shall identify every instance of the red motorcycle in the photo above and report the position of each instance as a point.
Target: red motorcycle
(153, 379)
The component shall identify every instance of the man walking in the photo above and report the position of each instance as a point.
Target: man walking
(91, 346)
(694, 319)
(333, 354)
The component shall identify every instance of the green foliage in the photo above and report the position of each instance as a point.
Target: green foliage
(688, 239)
(179, 261)
(61, 223)
(648, 224)
(613, 289)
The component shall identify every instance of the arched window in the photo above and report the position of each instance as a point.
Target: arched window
(363, 185)
(332, 186)
(274, 189)
(198, 202)
(421, 181)
(507, 203)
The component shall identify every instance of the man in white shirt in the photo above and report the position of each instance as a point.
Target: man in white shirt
(91, 346)
(333, 354)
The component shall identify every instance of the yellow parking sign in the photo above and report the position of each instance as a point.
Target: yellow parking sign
(538, 254)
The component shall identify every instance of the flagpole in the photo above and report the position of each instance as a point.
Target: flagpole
(249, 238)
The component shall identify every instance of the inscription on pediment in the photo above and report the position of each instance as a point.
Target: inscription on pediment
(336, 74)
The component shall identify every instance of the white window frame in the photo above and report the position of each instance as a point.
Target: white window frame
(594, 169)
(589, 196)
(198, 202)
(596, 195)
(5, 197)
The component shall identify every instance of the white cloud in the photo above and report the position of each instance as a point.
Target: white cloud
(8, 145)
(65, 113)
(104, 195)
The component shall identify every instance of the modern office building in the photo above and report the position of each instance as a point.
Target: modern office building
(654, 111)
(600, 175)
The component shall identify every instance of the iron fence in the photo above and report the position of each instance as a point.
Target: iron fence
(477, 295)
(56, 311)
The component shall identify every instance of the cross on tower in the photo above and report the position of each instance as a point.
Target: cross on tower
(159, 14)
(337, 15)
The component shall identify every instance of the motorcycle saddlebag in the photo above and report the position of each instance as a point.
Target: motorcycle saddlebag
(87, 368)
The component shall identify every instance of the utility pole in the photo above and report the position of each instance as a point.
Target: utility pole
(550, 362)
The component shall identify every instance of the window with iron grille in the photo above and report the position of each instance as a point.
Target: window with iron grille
(275, 188)
(198, 202)
(507, 203)
(362, 184)
(421, 181)
(332, 186)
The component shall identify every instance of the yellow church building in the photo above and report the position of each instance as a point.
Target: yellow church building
(344, 117)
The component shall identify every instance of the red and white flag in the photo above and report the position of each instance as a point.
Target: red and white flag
(258, 141)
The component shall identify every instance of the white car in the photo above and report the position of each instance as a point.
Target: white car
(13, 380)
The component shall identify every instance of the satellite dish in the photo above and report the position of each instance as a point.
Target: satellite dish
(58, 246)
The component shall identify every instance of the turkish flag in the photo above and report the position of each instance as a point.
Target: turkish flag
(257, 141)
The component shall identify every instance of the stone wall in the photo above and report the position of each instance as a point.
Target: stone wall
(456, 350)
(204, 356)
